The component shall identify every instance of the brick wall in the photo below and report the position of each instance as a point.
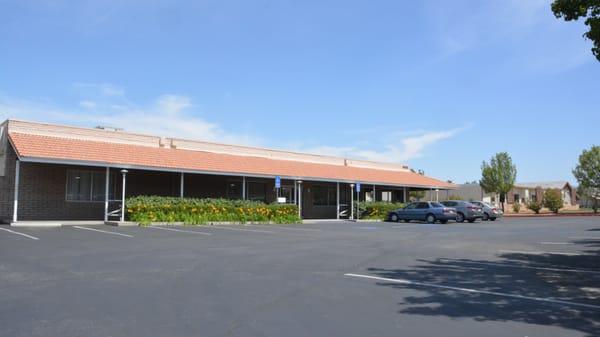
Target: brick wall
(7, 184)
(42, 195)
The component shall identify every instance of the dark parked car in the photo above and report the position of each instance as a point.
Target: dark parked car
(489, 212)
(464, 210)
(423, 211)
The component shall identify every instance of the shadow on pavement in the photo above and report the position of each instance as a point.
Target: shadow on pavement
(505, 276)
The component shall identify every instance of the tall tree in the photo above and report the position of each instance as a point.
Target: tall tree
(589, 9)
(587, 174)
(499, 175)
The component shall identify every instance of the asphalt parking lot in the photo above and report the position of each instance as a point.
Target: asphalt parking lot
(515, 277)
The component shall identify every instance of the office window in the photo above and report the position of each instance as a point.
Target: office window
(324, 196)
(386, 196)
(288, 193)
(257, 191)
(234, 189)
(84, 185)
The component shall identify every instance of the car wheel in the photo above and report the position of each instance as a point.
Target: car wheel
(492, 219)
(460, 217)
(394, 217)
(486, 217)
(444, 221)
(430, 218)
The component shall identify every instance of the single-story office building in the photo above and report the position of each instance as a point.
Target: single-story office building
(57, 172)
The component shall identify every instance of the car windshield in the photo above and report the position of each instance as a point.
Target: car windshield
(436, 204)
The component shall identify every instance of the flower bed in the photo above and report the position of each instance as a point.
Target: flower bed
(148, 209)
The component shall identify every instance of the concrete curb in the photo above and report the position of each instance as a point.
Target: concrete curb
(216, 223)
(121, 223)
(546, 215)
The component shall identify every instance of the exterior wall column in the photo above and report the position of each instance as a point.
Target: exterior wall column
(405, 195)
(16, 196)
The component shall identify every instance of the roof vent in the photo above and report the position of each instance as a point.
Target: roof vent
(108, 128)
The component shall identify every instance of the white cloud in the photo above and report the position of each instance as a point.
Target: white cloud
(105, 89)
(411, 145)
(167, 115)
(87, 104)
(176, 116)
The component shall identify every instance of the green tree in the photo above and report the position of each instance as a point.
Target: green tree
(498, 176)
(589, 9)
(553, 200)
(587, 174)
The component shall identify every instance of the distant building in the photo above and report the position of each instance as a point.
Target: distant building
(525, 192)
(522, 193)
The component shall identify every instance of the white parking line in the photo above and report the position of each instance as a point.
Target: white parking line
(22, 234)
(289, 228)
(179, 230)
(244, 229)
(538, 252)
(524, 267)
(555, 243)
(431, 285)
(101, 231)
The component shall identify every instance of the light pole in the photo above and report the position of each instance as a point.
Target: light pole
(124, 173)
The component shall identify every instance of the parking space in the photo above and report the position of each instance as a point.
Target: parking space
(521, 277)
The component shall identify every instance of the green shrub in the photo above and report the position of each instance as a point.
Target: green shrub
(553, 200)
(378, 209)
(535, 206)
(147, 209)
(454, 197)
(516, 207)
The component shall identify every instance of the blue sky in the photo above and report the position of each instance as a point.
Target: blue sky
(440, 85)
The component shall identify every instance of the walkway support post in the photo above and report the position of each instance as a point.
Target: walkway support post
(16, 196)
(124, 173)
(351, 201)
(405, 195)
(300, 199)
(337, 200)
(106, 192)
(374, 194)
(244, 188)
(181, 184)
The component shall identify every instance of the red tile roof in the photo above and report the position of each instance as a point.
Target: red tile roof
(56, 149)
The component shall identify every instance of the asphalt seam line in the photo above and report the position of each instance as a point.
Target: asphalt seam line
(537, 252)
(485, 292)
(524, 267)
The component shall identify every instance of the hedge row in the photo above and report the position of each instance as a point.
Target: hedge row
(147, 209)
(377, 210)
